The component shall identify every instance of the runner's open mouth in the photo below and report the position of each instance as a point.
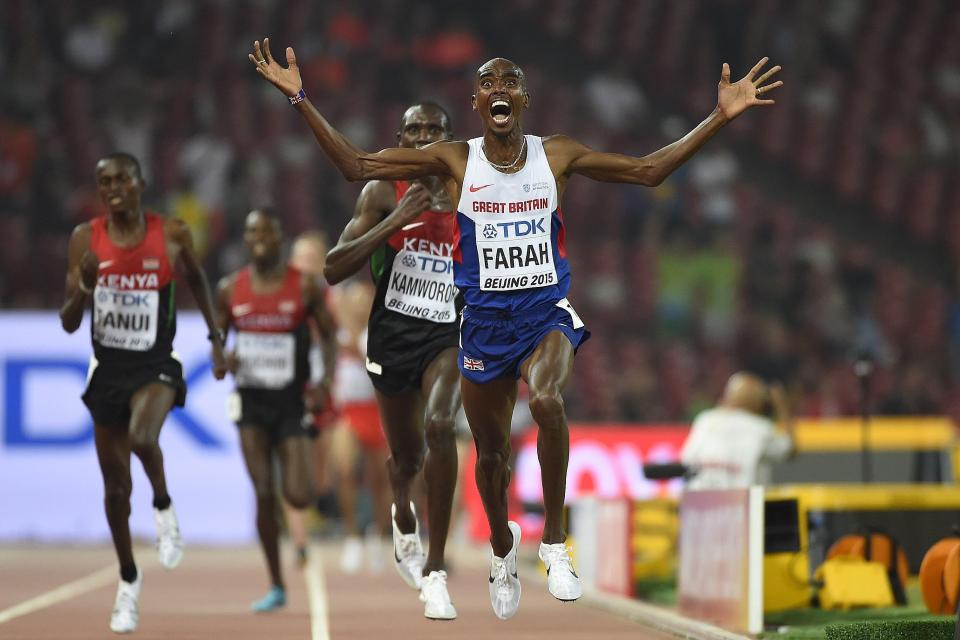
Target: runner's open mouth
(500, 110)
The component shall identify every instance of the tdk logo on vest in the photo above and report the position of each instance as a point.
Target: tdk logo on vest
(516, 229)
(435, 265)
(124, 298)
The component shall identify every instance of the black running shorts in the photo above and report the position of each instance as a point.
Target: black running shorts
(393, 372)
(110, 388)
(280, 414)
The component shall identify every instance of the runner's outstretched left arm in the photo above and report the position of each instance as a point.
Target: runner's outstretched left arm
(569, 156)
(179, 233)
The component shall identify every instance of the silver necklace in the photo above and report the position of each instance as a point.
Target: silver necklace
(511, 165)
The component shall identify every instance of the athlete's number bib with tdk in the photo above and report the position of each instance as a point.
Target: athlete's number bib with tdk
(266, 360)
(125, 319)
(421, 286)
(515, 251)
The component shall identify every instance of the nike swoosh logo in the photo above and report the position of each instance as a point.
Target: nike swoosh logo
(412, 225)
(514, 574)
(105, 264)
(474, 189)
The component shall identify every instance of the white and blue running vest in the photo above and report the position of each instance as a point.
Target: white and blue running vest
(510, 247)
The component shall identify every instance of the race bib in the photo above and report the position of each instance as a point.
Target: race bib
(515, 252)
(421, 286)
(266, 360)
(124, 318)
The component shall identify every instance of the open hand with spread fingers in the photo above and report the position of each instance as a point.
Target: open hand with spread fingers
(733, 98)
(286, 79)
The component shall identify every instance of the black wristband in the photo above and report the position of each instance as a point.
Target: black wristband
(217, 334)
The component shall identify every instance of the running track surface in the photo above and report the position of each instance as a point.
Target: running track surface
(57, 592)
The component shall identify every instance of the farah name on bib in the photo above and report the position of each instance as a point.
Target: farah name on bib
(421, 286)
(125, 318)
(266, 359)
(515, 251)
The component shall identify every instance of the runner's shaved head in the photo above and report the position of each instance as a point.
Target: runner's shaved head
(501, 66)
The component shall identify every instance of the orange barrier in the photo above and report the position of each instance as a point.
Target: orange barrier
(940, 576)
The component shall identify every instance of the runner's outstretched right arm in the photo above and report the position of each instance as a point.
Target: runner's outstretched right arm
(354, 163)
(369, 228)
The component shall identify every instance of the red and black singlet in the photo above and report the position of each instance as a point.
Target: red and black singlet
(273, 339)
(416, 303)
(134, 317)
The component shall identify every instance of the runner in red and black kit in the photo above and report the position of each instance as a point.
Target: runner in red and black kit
(268, 304)
(125, 262)
(406, 231)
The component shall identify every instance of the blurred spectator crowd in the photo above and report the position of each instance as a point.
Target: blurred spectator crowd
(805, 236)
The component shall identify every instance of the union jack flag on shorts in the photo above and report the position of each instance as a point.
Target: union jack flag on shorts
(472, 365)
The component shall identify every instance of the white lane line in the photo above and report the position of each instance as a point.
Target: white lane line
(96, 580)
(317, 592)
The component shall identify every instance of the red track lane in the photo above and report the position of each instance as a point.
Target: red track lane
(208, 597)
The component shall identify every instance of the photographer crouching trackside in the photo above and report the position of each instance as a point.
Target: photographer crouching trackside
(734, 444)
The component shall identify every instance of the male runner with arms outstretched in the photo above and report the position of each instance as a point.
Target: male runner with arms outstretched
(268, 303)
(124, 261)
(405, 231)
(510, 265)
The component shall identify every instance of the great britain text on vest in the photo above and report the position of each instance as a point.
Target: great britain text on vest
(483, 206)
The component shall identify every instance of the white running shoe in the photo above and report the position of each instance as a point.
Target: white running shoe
(435, 597)
(169, 541)
(504, 583)
(351, 557)
(126, 607)
(562, 581)
(408, 550)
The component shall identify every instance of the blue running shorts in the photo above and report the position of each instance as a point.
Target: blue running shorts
(493, 344)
